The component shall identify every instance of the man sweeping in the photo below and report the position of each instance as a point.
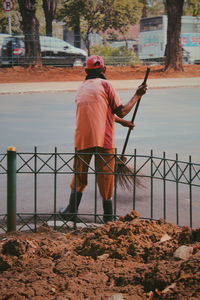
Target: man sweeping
(98, 108)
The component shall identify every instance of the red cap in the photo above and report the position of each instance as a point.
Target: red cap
(94, 62)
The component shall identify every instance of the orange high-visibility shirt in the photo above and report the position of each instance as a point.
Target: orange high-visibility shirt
(96, 101)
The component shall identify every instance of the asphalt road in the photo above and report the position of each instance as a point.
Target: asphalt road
(167, 120)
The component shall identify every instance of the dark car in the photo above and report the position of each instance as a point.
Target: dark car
(3, 36)
(53, 52)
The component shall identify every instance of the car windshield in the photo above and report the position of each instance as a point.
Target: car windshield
(53, 42)
(3, 37)
(16, 42)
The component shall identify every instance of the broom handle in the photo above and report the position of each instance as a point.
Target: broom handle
(134, 114)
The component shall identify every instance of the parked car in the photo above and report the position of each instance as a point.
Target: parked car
(2, 38)
(54, 52)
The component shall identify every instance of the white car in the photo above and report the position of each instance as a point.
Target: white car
(53, 47)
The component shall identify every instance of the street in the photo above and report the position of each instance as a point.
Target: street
(167, 120)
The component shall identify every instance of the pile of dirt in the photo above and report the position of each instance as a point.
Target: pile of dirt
(45, 74)
(129, 259)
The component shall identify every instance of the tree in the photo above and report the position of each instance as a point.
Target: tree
(192, 8)
(30, 26)
(15, 20)
(3, 22)
(152, 8)
(120, 14)
(49, 7)
(94, 16)
(91, 21)
(144, 8)
(173, 47)
(70, 12)
(82, 16)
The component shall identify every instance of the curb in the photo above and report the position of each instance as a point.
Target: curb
(71, 86)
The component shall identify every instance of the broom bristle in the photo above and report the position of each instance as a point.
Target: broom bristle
(126, 177)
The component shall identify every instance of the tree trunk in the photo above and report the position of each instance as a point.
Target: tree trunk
(87, 42)
(49, 7)
(173, 50)
(144, 9)
(77, 33)
(30, 26)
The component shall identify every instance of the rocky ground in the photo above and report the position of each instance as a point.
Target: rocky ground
(129, 259)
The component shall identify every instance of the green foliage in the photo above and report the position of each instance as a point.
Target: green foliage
(115, 56)
(87, 13)
(120, 14)
(99, 15)
(3, 22)
(156, 8)
(70, 12)
(15, 20)
(153, 8)
(192, 8)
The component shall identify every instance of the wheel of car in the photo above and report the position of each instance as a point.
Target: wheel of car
(78, 63)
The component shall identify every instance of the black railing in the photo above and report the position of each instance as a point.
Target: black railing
(34, 185)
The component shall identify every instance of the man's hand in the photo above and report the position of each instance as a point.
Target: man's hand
(127, 123)
(141, 90)
(124, 123)
(125, 109)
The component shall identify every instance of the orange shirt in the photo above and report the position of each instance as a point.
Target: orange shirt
(96, 101)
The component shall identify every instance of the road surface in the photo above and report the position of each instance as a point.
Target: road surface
(167, 120)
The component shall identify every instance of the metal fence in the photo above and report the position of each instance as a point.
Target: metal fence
(149, 49)
(34, 184)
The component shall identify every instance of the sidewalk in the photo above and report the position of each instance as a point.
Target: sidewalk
(69, 86)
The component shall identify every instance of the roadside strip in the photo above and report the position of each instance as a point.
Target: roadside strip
(71, 86)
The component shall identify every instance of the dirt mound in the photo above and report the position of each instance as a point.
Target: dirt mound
(45, 74)
(129, 259)
(133, 238)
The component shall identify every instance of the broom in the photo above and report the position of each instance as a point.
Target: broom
(125, 173)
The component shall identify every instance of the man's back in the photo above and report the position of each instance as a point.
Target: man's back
(96, 99)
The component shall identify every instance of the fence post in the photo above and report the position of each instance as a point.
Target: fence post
(11, 189)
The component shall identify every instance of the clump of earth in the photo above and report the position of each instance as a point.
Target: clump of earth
(127, 259)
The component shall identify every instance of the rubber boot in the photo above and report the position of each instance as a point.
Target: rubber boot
(108, 210)
(72, 208)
